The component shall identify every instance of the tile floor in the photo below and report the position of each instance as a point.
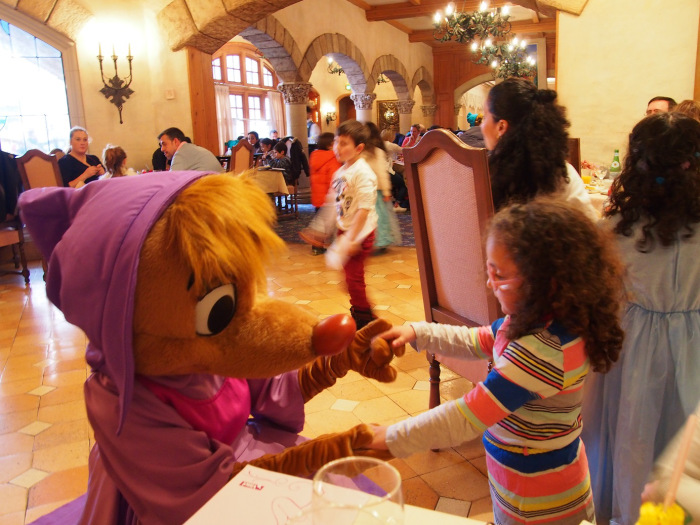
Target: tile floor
(45, 437)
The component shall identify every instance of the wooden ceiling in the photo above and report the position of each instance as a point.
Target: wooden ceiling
(529, 18)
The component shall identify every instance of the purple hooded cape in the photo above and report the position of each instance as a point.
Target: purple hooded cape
(149, 465)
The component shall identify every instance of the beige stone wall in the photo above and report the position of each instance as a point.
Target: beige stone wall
(303, 21)
(616, 56)
(158, 74)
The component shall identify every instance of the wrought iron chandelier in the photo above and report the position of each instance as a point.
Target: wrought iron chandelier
(381, 79)
(466, 27)
(481, 29)
(508, 59)
(334, 69)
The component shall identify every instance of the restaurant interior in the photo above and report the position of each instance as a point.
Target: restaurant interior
(374, 60)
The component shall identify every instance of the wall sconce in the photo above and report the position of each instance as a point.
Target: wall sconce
(330, 117)
(115, 88)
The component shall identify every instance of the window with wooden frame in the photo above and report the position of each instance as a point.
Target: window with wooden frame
(253, 94)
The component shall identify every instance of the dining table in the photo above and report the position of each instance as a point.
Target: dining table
(262, 497)
(270, 180)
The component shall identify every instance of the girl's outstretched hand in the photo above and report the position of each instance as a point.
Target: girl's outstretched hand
(399, 335)
(379, 439)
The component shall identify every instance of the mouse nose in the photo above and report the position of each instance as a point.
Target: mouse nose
(333, 334)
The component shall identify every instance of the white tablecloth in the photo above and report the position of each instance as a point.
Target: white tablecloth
(270, 181)
(260, 497)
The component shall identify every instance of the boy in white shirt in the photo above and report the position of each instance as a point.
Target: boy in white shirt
(355, 188)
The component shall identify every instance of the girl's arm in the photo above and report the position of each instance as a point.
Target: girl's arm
(443, 426)
(455, 341)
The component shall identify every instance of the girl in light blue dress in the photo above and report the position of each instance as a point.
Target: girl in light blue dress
(632, 412)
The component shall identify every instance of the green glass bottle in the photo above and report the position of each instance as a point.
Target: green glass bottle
(615, 167)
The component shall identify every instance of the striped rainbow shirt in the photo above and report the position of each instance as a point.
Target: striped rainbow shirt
(528, 410)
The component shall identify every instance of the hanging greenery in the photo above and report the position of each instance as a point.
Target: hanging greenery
(507, 60)
(466, 27)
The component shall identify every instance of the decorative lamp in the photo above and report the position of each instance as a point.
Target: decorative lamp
(115, 88)
(381, 79)
(481, 29)
(466, 27)
(334, 70)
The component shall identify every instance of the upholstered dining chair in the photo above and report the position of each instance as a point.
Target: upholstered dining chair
(241, 157)
(450, 195)
(39, 170)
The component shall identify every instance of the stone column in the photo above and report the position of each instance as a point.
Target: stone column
(363, 106)
(429, 114)
(458, 108)
(296, 97)
(405, 115)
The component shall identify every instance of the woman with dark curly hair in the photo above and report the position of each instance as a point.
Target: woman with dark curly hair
(558, 279)
(633, 412)
(525, 131)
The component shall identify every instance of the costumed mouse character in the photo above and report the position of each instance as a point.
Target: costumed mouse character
(194, 371)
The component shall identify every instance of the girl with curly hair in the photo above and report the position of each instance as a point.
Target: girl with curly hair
(633, 412)
(558, 280)
(525, 131)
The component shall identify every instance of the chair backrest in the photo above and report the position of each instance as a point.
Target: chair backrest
(38, 170)
(241, 157)
(574, 155)
(450, 195)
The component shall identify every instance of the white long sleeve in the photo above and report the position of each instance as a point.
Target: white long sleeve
(450, 340)
(443, 426)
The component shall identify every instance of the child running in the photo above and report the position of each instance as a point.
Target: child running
(355, 189)
(558, 280)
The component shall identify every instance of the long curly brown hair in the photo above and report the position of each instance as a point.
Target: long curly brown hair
(571, 272)
(530, 158)
(660, 181)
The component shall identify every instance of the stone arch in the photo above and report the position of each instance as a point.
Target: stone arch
(277, 45)
(424, 80)
(344, 52)
(395, 70)
(472, 82)
(209, 25)
(62, 16)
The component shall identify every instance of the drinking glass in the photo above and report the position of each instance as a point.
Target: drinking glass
(600, 172)
(358, 491)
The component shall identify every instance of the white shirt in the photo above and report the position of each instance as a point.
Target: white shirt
(355, 187)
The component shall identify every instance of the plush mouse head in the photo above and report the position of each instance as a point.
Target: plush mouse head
(162, 271)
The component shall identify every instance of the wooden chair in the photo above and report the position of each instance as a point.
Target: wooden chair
(450, 195)
(574, 155)
(288, 205)
(241, 157)
(12, 234)
(39, 170)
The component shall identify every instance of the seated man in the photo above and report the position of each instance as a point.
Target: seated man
(185, 156)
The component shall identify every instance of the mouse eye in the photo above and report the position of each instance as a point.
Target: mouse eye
(215, 310)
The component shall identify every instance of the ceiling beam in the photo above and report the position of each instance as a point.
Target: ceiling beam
(425, 8)
(545, 25)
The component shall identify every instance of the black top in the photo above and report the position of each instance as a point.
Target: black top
(71, 168)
